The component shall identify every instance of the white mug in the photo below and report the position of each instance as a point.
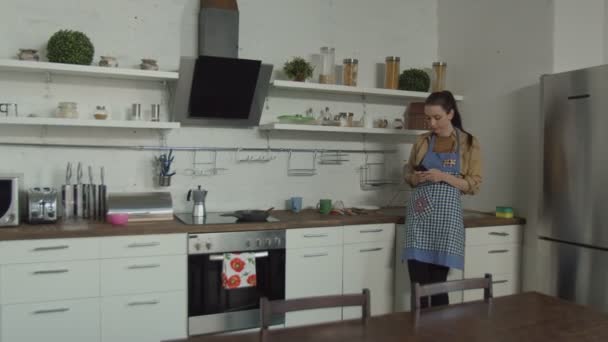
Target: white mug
(8, 109)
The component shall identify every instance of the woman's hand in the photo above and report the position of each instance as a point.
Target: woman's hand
(433, 175)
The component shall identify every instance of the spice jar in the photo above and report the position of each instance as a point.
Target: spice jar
(328, 64)
(439, 75)
(391, 74)
(100, 113)
(350, 70)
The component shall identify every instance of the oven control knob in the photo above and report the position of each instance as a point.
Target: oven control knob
(258, 242)
(268, 242)
(248, 243)
(197, 246)
(277, 241)
(208, 245)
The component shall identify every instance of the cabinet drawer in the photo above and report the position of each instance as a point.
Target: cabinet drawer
(314, 237)
(493, 259)
(141, 275)
(65, 321)
(494, 235)
(150, 317)
(369, 265)
(313, 272)
(369, 233)
(503, 285)
(143, 245)
(26, 251)
(28, 283)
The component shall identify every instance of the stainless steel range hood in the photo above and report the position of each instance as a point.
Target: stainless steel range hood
(217, 88)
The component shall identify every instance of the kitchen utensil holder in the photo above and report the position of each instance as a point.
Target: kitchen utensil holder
(302, 171)
(333, 158)
(367, 182)
(254, 159)
(164, 181)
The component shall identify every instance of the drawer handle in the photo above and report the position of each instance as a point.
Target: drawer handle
(138, 267)
(315, 255)
(497, 251)
(220, 257)
(50, 248)
(48, 311)
(144, 244)
(370, 250)
(371, 231)
(150, 302)
(500, 281)
(498, 234)
(315, 235)
(52, 271)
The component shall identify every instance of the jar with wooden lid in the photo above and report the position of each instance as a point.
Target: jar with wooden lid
(391, 74)
(326, 75)
(439, 75)
(350, 71)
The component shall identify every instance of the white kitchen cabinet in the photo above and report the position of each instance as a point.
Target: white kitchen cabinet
(314, 237)
(47, 250)
(369, 233)
(141, 275)
(39, 282)
(143, 245)
(65, 321)
(369, 265)
(313, 272)
(145, 317)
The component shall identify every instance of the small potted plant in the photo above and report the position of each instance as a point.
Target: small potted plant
(70, 47)
(414, 80)
(298, 69)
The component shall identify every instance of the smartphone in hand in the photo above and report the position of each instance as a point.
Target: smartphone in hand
(420, 167)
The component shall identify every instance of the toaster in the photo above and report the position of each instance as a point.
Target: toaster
(9, 201)
(42, 205)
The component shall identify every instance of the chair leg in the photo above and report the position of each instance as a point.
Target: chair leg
(264, 314)
(488, 292)
(366, 307)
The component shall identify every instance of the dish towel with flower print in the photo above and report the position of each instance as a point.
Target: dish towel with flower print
(238, 270)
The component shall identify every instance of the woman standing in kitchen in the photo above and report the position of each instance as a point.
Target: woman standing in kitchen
(444, 164)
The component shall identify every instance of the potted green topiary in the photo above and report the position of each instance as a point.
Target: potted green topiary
(70, 47)
(298, 69)
(414, 80)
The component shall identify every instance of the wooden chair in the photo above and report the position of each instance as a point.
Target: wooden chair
(268, 308)
(421, 291)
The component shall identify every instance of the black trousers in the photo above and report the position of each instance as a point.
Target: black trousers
(425, 273)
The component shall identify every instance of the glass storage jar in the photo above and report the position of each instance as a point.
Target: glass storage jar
(67, 110)
(391, 74)
(350, 71)
(439, 75)
(328, 64)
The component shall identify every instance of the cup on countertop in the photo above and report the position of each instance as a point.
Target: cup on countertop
(295, 204)
(324, 206)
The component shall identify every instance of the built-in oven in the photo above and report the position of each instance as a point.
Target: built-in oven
(211, 307)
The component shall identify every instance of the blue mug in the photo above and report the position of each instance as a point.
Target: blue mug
(296, 204)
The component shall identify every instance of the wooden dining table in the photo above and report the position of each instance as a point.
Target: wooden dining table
(525, 317)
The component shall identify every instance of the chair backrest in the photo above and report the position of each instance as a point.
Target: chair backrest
(421, 291)
(269, 308)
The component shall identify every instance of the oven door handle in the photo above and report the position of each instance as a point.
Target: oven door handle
(220, 257)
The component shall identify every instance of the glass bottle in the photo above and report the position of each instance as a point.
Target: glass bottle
(326, 74)
(439, 76)
(391, 74)
(350, 71)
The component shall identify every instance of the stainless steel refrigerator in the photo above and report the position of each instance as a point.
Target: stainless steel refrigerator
(573, 220)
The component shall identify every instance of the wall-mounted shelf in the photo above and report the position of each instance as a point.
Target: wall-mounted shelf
(340, 89)
(86, 70)
(336, 129)
(27, 121)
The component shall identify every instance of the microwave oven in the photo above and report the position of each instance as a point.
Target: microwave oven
(9, 201)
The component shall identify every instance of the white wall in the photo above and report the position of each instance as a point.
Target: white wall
(496, 51)
(579, 36)
(271, 30)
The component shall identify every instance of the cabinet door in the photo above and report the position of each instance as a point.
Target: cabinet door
(369, 265)
(313, 272)
(145, 317)
(65, 321)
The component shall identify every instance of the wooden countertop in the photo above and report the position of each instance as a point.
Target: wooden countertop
(530, 317)
(287, 220)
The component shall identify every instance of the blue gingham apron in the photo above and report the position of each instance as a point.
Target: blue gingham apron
(434, 225)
